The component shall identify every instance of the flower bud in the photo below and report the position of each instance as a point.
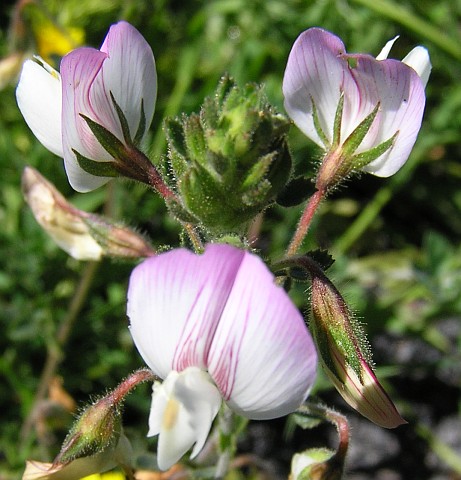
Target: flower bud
(95, 443)
(98, 428)
(345, 354)
(82, 235)
(316, 464)
(234, 153)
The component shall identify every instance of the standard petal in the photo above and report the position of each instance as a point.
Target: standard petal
(418, 59)
(39, 98)
(315, 73)
(262, 358)
(183, 409)
(175, 301)
(129, 73)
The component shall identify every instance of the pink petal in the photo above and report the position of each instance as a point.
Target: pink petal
(402, 100)
(318, 68)
(315, 71)
(262, 357)
(175, 301)
(129, 73)
(78, 72)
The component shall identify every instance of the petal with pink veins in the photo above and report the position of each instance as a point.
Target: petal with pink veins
(175, 301)
(262, 357)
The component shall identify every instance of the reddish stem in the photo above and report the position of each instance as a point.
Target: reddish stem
(305, 221)
(131, 382)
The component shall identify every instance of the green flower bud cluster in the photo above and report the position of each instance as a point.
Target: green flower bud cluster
(228, 162)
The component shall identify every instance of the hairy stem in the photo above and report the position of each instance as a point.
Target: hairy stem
(305, 222)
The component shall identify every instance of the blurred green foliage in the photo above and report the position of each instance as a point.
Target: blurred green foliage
(396, 241)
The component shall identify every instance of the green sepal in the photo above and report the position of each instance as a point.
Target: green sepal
(141, 127)
(177, 153)
(195, 140)
(125, 127)
(318, 127)
(344, 335)
(338, 122)
(305, 421)
(362, 159)
(181, 213)
(255, 196)
(353, 141)
(123, 122)
(111, 144)
(98, 169)
(258, 171)
(98, 428)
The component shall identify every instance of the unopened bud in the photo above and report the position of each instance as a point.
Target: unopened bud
(97, 428)
(82, 235)
(316, 464)
(117, 240)
(229, 162)
(345, 354)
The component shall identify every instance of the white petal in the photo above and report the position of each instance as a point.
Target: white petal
(384, 53)
(262, 358)
(39, 98)
(182, 412)
(418, 59)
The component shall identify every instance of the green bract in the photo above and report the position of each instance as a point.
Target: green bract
(228, 162)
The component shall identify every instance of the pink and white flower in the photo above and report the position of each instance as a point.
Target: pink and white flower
(53, 104)
(216, 327)
(330, 93)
